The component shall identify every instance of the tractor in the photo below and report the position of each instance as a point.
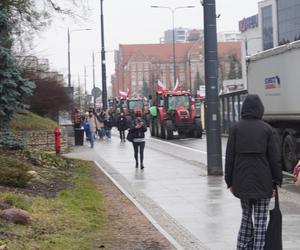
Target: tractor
(174, 111)
(136, 105)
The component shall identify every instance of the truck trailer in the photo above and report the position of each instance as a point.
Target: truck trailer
(275, 76)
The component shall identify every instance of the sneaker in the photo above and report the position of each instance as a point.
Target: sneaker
(142, 166)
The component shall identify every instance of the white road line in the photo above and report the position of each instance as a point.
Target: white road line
(180, 146)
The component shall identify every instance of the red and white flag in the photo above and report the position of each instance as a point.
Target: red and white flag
(160, 87)
(177, 86)
(124, 94)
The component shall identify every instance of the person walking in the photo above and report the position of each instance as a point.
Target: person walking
(122, 126)
(77, 119)
(252, 168)
(91, 120)
(138, 130)
(101, 118)
(108, 124)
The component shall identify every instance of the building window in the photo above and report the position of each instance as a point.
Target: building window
(288, 21)
(140, 74)
(267, 27)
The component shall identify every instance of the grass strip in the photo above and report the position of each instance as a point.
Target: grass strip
(73, 220)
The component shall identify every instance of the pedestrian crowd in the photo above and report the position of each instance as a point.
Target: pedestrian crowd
(98, 124)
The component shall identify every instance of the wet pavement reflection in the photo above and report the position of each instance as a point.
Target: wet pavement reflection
(195, 209)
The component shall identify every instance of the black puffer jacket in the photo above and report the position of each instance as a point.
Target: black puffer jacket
(252, 159)
(138, 132)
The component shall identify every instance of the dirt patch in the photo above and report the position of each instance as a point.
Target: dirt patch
(127, 226)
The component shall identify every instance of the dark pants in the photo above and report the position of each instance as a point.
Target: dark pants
(122, 135)
(136, 146)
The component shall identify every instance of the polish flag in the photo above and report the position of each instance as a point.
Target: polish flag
(160, 87)
(177, 86)
(124, 94)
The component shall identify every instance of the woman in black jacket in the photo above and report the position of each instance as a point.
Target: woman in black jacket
(252, 168)
(138, 130)
(122, 126)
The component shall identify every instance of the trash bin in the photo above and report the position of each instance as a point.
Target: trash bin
(79, 134)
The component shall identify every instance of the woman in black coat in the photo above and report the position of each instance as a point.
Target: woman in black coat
(252, 168)
(138, 130)
(122, 126)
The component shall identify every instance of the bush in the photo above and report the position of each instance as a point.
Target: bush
(13, 172)
(16, 200)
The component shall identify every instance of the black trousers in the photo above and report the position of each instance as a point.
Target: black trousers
(122, 135)
(136, 147)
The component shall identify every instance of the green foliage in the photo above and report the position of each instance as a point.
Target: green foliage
(13, 88)
(13, 172)
(26, 120)
(16, 200)
(45, 160)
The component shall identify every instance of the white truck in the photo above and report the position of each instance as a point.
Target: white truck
(275, 76)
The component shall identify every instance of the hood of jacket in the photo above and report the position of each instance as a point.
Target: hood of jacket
(252, 108)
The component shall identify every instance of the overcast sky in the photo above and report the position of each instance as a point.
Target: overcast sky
(127, 22)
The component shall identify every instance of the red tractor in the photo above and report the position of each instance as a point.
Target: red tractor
(174, 111)
(136, 105)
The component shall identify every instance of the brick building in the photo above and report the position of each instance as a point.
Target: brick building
(143, 64)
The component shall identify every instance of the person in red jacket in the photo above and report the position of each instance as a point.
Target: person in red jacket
(252, 168)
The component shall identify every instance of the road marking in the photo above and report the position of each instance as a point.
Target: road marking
(184, 147)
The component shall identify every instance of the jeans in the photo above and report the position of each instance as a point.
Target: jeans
(107, 133)
(92, 138)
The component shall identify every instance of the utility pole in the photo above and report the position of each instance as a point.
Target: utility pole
(103, 62)
(69, 60)
(212, 118)
(94, 84)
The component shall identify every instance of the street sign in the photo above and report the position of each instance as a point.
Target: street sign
(96, 92)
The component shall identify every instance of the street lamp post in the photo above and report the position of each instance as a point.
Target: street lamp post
(103, 62)
(212, 117)
(69, 54)
(173, 33)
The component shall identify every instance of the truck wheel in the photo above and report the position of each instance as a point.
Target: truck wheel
(169, 130)
(289, 154)
(198, 129)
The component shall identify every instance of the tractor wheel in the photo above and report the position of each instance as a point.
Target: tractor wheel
(151, 127)
(169, 130)
(159, 128)
(162, 130)
(129, 121)
(148, 120)
(155, 127)
(198, 129)
(289, 154)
